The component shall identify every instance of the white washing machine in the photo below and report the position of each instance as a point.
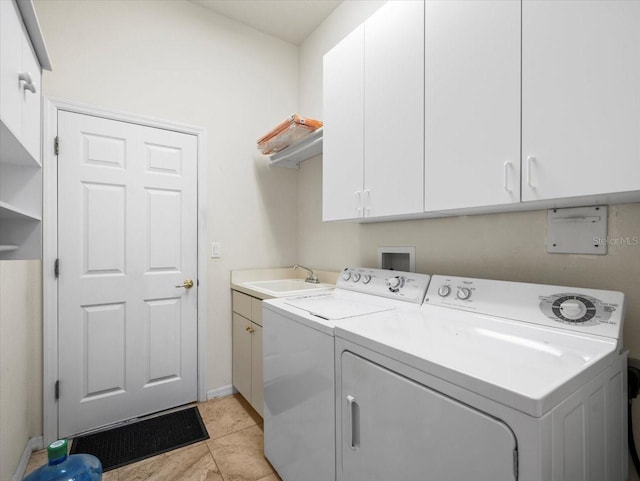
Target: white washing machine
(490, 381)
(298, 350)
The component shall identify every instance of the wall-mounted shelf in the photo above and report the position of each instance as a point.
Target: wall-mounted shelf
(8, 211)
(13, 151)
(305, 149)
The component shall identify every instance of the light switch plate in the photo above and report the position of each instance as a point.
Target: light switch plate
(216, 250)
(579, 230)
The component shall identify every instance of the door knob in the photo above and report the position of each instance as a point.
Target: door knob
(187, 284)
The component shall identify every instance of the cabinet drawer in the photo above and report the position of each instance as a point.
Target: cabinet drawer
(241, 304)
(256, 311)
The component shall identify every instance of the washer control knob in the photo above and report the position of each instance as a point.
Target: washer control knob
(573, 309)
(346, 275)
(366, 279)
(444, 291)
(463, 293)
(355, 277)
(394, 283)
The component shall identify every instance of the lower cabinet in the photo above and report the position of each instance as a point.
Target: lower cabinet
(247, 349)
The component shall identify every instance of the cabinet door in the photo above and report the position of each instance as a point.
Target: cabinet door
(343, 144)
(257, 387)
(580, 98)
(241, 356)
(11, 39)
(394, 109)
(472, 104)
(391, 425)
(31, 103)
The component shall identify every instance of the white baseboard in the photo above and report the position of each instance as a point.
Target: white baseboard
(223, 391)
(34, 444)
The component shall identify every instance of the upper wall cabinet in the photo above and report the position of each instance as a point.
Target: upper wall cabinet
(394, 110)
(472, 104)
(373, 160)
(520, 104)
(20, 130)
(580, 98)
(343, 149)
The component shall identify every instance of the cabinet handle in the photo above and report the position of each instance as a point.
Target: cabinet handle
(358, 199)
(28, 82)
(353, 421)
(507, 166)
(250, 329)
(367, 202)
(530, 160)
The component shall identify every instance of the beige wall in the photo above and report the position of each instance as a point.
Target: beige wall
(499, 246)
(20, 359)
(180, 62)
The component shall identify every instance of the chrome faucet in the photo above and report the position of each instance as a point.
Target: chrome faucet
(312, 278)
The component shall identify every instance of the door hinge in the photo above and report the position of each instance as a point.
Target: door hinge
(56, 145)
(515, 463)
(56, 268)
(57, 389)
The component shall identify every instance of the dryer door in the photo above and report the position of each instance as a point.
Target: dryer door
(395, 428)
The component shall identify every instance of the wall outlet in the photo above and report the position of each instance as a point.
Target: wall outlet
(216, 250)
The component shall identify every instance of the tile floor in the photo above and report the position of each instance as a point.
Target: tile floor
(234, 451)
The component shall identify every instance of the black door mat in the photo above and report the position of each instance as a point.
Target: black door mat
(142, 439)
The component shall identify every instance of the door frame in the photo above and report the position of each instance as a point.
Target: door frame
(51, 107)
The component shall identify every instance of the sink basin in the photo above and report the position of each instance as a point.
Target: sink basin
(281, 287)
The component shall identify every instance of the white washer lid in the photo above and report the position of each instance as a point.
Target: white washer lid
(333, 308)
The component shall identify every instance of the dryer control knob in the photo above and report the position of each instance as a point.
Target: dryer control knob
(573, 309)
(463, 293)
(366, 279)
(355, 277)
(346, 275)
(444, 291)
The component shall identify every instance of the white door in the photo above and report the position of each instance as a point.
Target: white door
(472, 104)
(394, 110)
(127, 236)
(395, 428)
(343, 142)
(580, 98)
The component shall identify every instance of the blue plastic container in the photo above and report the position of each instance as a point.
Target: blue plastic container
(62, 467)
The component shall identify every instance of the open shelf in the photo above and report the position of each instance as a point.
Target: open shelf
(13, 152)
(308, 147)
(8, 211)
